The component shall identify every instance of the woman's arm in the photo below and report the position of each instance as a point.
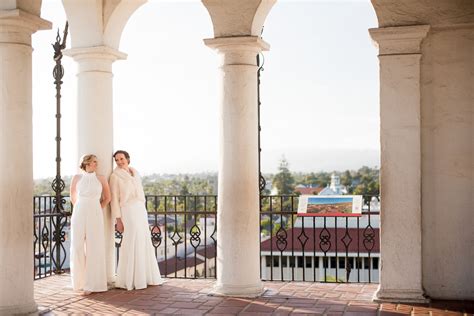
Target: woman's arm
(115, 202)
(73, 191)
(105, 198)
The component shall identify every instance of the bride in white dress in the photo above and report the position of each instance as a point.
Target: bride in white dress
(90, 194)
(137, 266)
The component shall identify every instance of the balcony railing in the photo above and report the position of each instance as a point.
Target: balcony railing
(318, 249)
(183, 233)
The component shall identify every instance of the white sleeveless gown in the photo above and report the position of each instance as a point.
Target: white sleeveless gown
(88, 263)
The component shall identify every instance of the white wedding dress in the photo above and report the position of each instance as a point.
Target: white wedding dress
(137, 266)
(88, 264)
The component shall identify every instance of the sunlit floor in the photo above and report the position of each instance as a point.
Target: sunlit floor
(191, 297)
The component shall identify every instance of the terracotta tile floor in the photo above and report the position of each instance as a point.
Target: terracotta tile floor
(190, 297)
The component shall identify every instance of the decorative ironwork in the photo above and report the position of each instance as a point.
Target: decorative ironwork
(311, 252)
(303, 238)
(58, 252)
(176, 241)
(281, 237)
(214, 235)
(155, 236)
(262, 183)
(325, 240)
(319, 249)
(45, 238)
(346, 239)
(58, 184)
(369, 238)
(195, 233)
(59, 237)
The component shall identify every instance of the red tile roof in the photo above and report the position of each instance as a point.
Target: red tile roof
(209, 252)
(176, 264)
(309, 191)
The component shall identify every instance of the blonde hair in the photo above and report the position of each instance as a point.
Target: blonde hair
(85, 160)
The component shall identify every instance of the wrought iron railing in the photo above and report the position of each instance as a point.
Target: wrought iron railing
(50, 236)
(183, 233)
(318, 249)
(182, 228)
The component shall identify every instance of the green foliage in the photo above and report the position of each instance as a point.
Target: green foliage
(364, 181)
(318, 179)
(367, 181)
(346, 178)
(198, 184)
(43, 186)
(283, 180)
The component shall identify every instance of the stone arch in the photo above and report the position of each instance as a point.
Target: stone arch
(105, 29)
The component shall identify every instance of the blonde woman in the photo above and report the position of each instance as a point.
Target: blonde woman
(90, 194)
(137, 266)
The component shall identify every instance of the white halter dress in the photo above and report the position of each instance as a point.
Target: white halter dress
(88, 264)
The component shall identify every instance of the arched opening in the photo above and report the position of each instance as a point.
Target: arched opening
(164, 98)
(320, 111)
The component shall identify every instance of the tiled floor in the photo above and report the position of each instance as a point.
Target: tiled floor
(190, 297)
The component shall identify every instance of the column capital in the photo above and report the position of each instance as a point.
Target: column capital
(399, 40)
(236, 43)
(16, 27)
(20, 18)
(95, 52)
(238, 50)
(96, 58)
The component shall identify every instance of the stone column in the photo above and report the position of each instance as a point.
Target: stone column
(16, 159)
(95, 119)
(400, 137)
(238, 219)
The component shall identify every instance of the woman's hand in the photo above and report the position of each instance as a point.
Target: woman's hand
(119, 225)
(105, 197)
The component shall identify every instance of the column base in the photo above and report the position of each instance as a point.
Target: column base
(253, 290)
(400, 296)
(23, 309)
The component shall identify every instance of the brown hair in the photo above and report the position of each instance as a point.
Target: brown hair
(126, 154)
(85, 160)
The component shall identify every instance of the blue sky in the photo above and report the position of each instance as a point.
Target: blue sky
(328, 200)
(319, 89)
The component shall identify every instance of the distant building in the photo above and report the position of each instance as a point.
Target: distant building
(308, 190)
(335, 188)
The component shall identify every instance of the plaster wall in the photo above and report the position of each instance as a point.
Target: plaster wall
(447, 147)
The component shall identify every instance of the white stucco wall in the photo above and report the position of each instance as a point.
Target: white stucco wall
(447, 112)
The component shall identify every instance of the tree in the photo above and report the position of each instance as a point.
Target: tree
(324, 179)
(283, 180)
(346, 178)
(367, 188)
